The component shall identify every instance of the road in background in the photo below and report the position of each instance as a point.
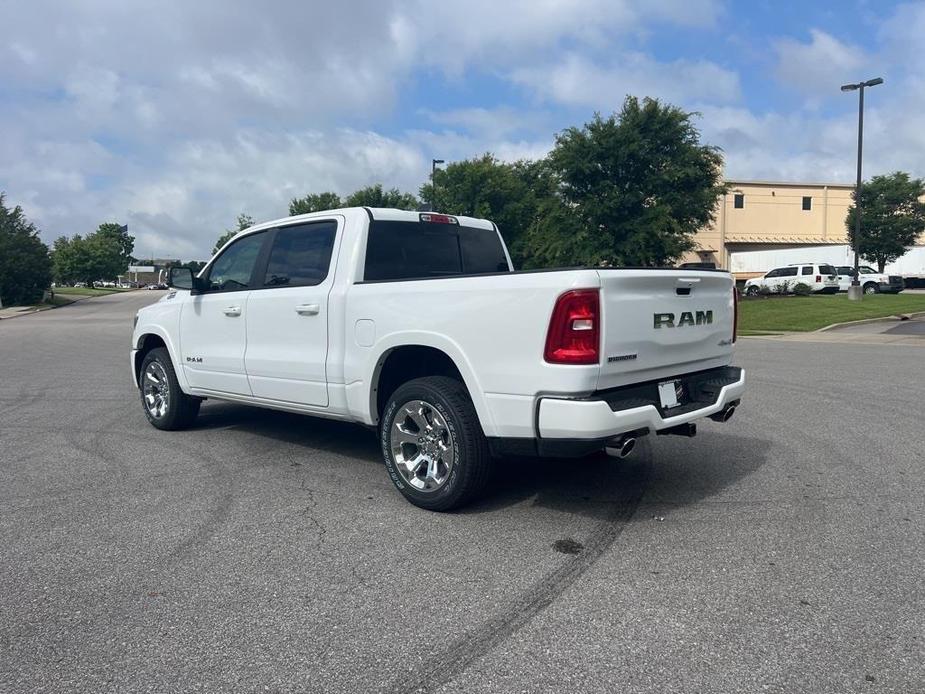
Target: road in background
(264, 551)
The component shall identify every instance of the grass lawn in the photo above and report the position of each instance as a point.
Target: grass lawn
(87, 291)
(804, 313)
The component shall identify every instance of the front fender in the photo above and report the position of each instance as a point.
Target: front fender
(173, 348)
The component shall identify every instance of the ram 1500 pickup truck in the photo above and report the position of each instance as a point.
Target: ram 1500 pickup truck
(417, 324)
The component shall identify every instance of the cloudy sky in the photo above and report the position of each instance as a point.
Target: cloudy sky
(174, 116)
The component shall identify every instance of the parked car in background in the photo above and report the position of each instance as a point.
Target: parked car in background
(820, 278)
(872, 282)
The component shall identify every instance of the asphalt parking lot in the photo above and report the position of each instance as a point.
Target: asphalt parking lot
(782, 552)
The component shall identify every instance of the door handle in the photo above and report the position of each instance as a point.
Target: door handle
(308, 309)
(232, 311)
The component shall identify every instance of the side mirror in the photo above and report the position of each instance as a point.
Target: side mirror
(180, 278)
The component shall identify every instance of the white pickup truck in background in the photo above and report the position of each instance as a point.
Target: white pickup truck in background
(415, 323)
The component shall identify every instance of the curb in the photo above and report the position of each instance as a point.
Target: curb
(895, 317)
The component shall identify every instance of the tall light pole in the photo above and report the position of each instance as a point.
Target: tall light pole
(854, 291)
(433, 182)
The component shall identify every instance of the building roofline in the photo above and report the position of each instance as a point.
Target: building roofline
(791, 184)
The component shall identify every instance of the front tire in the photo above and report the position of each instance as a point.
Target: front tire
(751, 291)
(870, 288)
(433, 445)
(165, 405)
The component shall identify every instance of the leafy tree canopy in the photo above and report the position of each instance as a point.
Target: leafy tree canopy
(375, 196)
(314, 202)
(25, 266)
(630, 189)
(892, 216)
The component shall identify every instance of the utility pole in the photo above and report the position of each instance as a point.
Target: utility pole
(855, 291)
(433, 182)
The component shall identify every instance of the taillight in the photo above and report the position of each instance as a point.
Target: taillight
(818, 278)
(574, 329)
(735, 313)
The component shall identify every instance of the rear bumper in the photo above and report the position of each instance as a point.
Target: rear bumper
(610, 413)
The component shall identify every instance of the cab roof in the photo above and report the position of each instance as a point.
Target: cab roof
(377, 213)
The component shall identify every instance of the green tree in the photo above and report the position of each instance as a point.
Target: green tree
(98, 256)
(110, 247)
(25, 266)
(507, 194)
(892, 216)
(630, 189)
(314, 202)
(245, 221)
(120, 236)
(375, 196)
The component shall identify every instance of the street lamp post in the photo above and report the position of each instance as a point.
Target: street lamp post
(854, 291)
(433, 182)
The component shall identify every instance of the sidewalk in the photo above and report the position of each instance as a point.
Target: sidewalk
(879, 332)
(16, 311)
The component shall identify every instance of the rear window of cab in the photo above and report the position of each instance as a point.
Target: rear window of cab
(403, 250)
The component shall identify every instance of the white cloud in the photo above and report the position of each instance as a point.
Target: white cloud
(577, 81)
(822, 65)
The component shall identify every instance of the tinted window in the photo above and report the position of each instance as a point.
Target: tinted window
(788, 272)
(739, 201)
(413, 250)
(301, 255)
(233, 268)
(845, 270)
(808, 270)
(827, 270)
(807, 202)
(773, 273)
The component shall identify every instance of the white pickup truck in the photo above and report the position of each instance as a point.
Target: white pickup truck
(416, 323)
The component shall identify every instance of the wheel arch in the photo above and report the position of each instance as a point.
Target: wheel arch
(400, 363)
(152, 339)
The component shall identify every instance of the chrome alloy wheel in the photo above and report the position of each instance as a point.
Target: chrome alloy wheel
(422, 446)
(156, 389)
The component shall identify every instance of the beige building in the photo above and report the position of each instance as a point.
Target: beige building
(764, 215)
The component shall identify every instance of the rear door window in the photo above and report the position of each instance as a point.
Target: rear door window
(400, 250)
(788, 272)
(301, 255)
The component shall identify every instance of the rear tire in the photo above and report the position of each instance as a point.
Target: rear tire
(165, 405)
(433, 445)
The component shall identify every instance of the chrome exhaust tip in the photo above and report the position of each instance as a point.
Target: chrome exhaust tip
(621, 447)
(726, 414)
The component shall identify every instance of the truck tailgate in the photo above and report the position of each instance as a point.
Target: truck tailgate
(660, 323)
